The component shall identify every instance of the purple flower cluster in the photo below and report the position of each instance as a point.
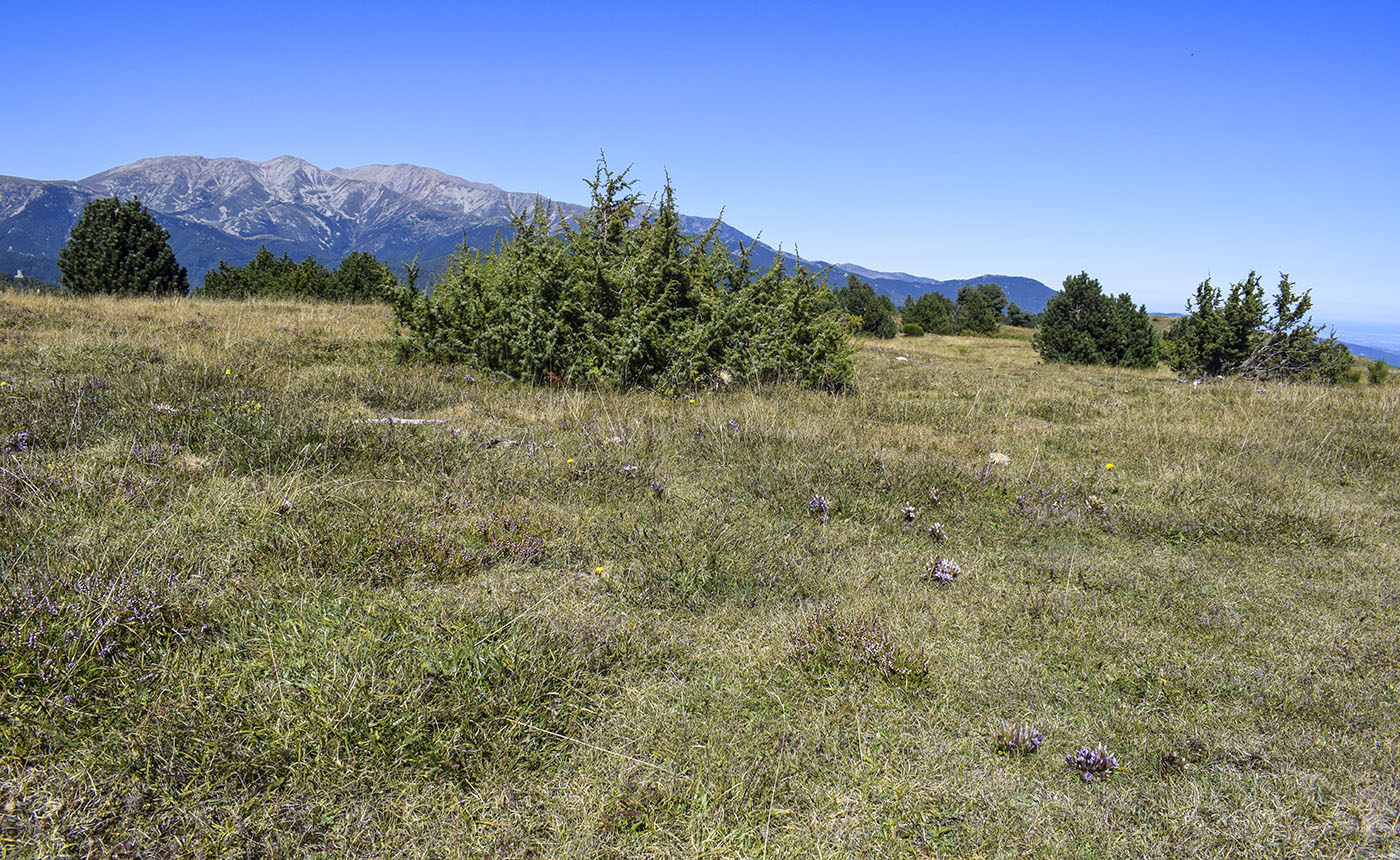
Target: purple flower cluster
(829, 638)
(1097, 763)
(1018, 738)
(18, 442)
(910, 514)
(820, 508)
(658, 489)
(511, 538)
(938, 533)
(942, 570)
(60, 635)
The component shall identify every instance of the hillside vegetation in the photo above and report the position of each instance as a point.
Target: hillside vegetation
(239, 619)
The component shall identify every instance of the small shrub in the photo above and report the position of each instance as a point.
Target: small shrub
(913, 330)
(1377, 372)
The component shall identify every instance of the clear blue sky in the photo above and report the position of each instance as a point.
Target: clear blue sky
(1149, 146)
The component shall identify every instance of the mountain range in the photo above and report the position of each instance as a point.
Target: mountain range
(224, 209)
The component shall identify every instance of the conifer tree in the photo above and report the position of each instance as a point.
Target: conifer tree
(860, 300)
(362, 278)
(1081, 325)
(117, 247)
(976, 312)
(1240, 335)
(932, 311)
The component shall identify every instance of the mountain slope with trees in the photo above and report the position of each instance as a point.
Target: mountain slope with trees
(226, 209)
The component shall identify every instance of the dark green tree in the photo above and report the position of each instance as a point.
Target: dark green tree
(118, 248)
(934, 312)
(1245, 336)
(269, 276)
(1019, 318)
(1081, 325)
(860, 300)
(1218, 332)
(995, 297)
(1241, 334)
(312, 280)
(362, 278)
(1130, 340)
(265, 275)
(1070, 321)
(1292, 347)
(976, 315)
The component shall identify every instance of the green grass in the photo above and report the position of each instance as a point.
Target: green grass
(278, 630)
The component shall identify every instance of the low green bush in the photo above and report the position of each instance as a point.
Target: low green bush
(913, 330)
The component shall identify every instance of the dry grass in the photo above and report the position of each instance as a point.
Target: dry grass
(362, 650)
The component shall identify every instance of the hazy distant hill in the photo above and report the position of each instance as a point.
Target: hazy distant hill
(226, 208)
(1374, 352)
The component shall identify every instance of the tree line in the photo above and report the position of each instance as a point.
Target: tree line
(978, 310)
(117, 248)
(622, 296)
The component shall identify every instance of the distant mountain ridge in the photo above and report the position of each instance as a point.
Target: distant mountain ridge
(224, 209)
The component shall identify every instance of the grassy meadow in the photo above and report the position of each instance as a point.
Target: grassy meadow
(239, 620)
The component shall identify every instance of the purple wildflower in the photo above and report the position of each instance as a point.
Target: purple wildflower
(1017, 738)
(942, 570)
(820, 508)
(1096, 763)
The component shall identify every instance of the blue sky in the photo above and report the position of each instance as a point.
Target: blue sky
(1151, 147)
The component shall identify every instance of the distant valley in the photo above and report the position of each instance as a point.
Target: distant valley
(226, 208)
